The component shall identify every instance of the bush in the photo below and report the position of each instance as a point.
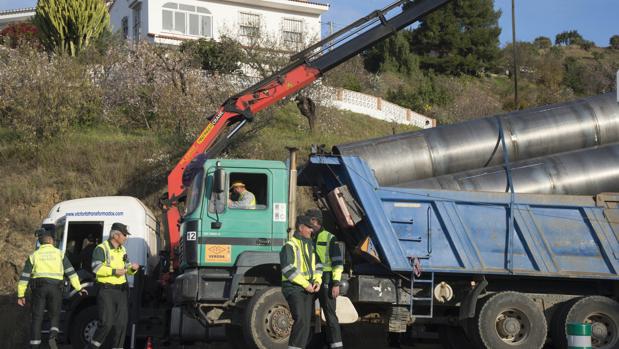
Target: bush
(19, 34)
(419, 95)
(42, 96)
(222, 56)
(542, 42)
(614, 42)
(567, 38)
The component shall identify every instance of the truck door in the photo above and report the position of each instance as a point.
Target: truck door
(79, 240)
(244, 214)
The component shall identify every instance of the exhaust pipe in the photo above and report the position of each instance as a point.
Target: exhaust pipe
(292, 190)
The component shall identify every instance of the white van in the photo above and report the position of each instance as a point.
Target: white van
(73, 221)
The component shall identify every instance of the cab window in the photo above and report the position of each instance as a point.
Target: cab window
(247, 191)
(193, 194)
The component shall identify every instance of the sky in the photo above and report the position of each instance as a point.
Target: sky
(595, 20)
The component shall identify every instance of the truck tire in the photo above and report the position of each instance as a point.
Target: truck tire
(267, 320)
(83, 327)
(603, 315)
(510, 320)
(557, 324)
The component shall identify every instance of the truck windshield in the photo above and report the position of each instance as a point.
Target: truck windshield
(193, 194)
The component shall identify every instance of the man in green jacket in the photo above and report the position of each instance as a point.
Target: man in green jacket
(44, 271)
(111, 267)
(301, 278)
(330, 255)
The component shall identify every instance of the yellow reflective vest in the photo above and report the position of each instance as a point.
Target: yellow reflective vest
(329, 254)
(106, 259)
(47, 262)
(299, 264)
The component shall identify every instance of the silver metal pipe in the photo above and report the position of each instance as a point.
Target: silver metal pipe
(475, 144)
(583, 172)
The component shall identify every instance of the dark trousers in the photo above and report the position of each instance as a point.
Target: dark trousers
(46, 295)
(327, 303)
(113, 316)
(301, 305)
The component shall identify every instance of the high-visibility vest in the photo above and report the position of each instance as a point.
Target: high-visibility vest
(335, 264)
(304, 267)
(47, 263)
(115, 258)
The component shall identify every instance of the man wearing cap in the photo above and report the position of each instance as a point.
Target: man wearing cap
(110, 265)
(46, 267)
(330, 255)
(301, 278)
(241, 197)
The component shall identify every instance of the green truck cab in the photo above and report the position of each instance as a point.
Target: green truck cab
(230, 256)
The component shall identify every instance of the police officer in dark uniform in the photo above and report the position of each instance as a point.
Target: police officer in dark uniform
(111, 265)
(301, 278)
(330, 255)
(46, 267)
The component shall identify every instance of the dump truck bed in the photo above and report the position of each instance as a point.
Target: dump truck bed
(469, 232)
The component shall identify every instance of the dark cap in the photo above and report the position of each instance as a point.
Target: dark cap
(121, 228)
(314, 213)
(41, 232)
(305, 220)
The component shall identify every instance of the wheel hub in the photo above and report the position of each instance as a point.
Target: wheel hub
(512, 326)
(279, 322)
(509, 326)
(603, 330)
(89, 330)
(599, 330)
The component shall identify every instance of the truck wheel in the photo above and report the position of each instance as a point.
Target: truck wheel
(510, 320)
(267, 321)
(603, 315)
(557, 324)
(83, 327)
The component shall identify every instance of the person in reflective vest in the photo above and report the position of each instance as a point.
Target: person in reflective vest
(44, 271)
(301, 278)
(330, 255)
(111, 266)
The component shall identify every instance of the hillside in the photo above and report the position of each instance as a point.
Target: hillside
(107, 161)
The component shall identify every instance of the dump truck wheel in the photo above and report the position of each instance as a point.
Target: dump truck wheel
(510, 320)
(603, 315)
(267, 320)
(557, 324)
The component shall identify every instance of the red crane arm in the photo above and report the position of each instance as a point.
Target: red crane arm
(305, 68)
(248, 104)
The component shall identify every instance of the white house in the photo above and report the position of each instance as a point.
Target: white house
(172, 21)
(16, 15)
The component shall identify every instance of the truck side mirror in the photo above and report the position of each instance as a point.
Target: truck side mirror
(219, 183)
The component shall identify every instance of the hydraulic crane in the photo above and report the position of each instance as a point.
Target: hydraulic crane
(304, 68)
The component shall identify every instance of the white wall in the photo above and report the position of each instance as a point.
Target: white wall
(225, 18)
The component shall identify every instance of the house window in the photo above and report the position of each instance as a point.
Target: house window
(186, 20)
(249, 24)
(292, 32)
(137, 14)
(125, 27)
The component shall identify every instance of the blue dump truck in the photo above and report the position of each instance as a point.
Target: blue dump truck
(484, 270)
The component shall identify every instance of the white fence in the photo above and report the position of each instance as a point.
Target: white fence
(374, 107)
